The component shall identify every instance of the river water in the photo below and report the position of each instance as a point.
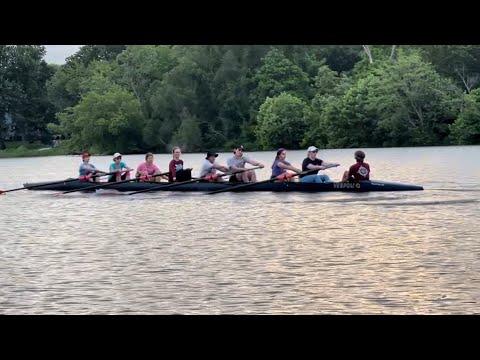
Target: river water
(247, 253)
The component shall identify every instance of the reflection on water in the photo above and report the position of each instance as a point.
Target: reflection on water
(395, 253)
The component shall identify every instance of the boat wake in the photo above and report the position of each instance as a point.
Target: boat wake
(389, 201)
(424, 203)
(453, 189)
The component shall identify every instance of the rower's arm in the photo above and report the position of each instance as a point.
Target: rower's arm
(164, 177)
(255, 163)
(220, 167)
(326, 165)
(289, 167)
(235, 169)
(315, 167)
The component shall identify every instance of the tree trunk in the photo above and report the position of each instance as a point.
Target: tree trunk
(369, 54)
(468, 81)
(392, 53)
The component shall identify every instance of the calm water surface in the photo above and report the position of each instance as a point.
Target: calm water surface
(260, 253)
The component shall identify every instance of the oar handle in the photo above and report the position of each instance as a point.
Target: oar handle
(165, 187)
(56, 182)
(281, 177)
(234, 172)
(98, 186)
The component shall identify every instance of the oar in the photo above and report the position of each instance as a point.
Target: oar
(164, 187)
(101, 186)
(53, 183)
(281, 177)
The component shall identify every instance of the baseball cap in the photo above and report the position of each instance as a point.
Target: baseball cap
(312, 149)
(116, 155)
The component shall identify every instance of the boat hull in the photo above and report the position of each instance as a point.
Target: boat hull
(362, 186)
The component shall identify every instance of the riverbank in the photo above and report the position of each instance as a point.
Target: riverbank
(23, 149)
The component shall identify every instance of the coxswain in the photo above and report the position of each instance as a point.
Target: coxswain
(359, 171)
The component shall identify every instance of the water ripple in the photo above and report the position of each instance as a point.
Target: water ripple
(251, 253)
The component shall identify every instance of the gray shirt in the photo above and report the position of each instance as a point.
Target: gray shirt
(237, 162)
(86, 169)
(207, 168)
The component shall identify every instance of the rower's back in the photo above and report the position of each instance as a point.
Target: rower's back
(361, 170)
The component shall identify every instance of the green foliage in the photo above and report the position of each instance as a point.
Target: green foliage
(89, 53)
(103, 122)
(466, 128)
(63, 88)
(278, 74)
(459, 62)
(341, 58)
(150, 97)
(397, 103)
(328, 82)
(282, 121)
(23, 75)
(188, 136)
(142, 68)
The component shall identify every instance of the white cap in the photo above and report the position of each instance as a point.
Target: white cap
(312, 148)
(116, 155)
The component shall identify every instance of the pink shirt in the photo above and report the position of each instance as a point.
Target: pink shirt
(146, 169)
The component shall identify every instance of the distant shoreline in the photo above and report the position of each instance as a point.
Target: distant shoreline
(39, 151)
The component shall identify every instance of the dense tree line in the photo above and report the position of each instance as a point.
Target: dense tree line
(136, 98)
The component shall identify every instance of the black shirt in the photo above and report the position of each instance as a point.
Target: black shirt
(308, 161)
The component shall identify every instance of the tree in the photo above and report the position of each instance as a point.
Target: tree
(23, 75)
(459, 62)
(143, 67)
(395, 104)
(341, 58)
(278, 74)
(182, 87)
(88, 53)
(282, 121)
(188, 136)
(64, 87)
(105, 122)
(466, 128)
(328, 82)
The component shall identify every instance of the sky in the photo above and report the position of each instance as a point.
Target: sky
(56, 54)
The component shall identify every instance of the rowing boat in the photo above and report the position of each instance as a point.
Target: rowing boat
(362, 186)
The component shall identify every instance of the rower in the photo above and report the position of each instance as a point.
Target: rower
(119, 167)
(281, 165)
(146, 170)
(359, 171)
(209, 167)
(311, 162)
(237, 163)
(87, 170)
(175, 168)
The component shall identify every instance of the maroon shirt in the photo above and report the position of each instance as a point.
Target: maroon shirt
(359, 171)
(173, 167)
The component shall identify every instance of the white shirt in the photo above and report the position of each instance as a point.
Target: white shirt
(207, 168)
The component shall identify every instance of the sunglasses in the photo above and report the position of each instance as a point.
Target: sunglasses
(118, 158)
